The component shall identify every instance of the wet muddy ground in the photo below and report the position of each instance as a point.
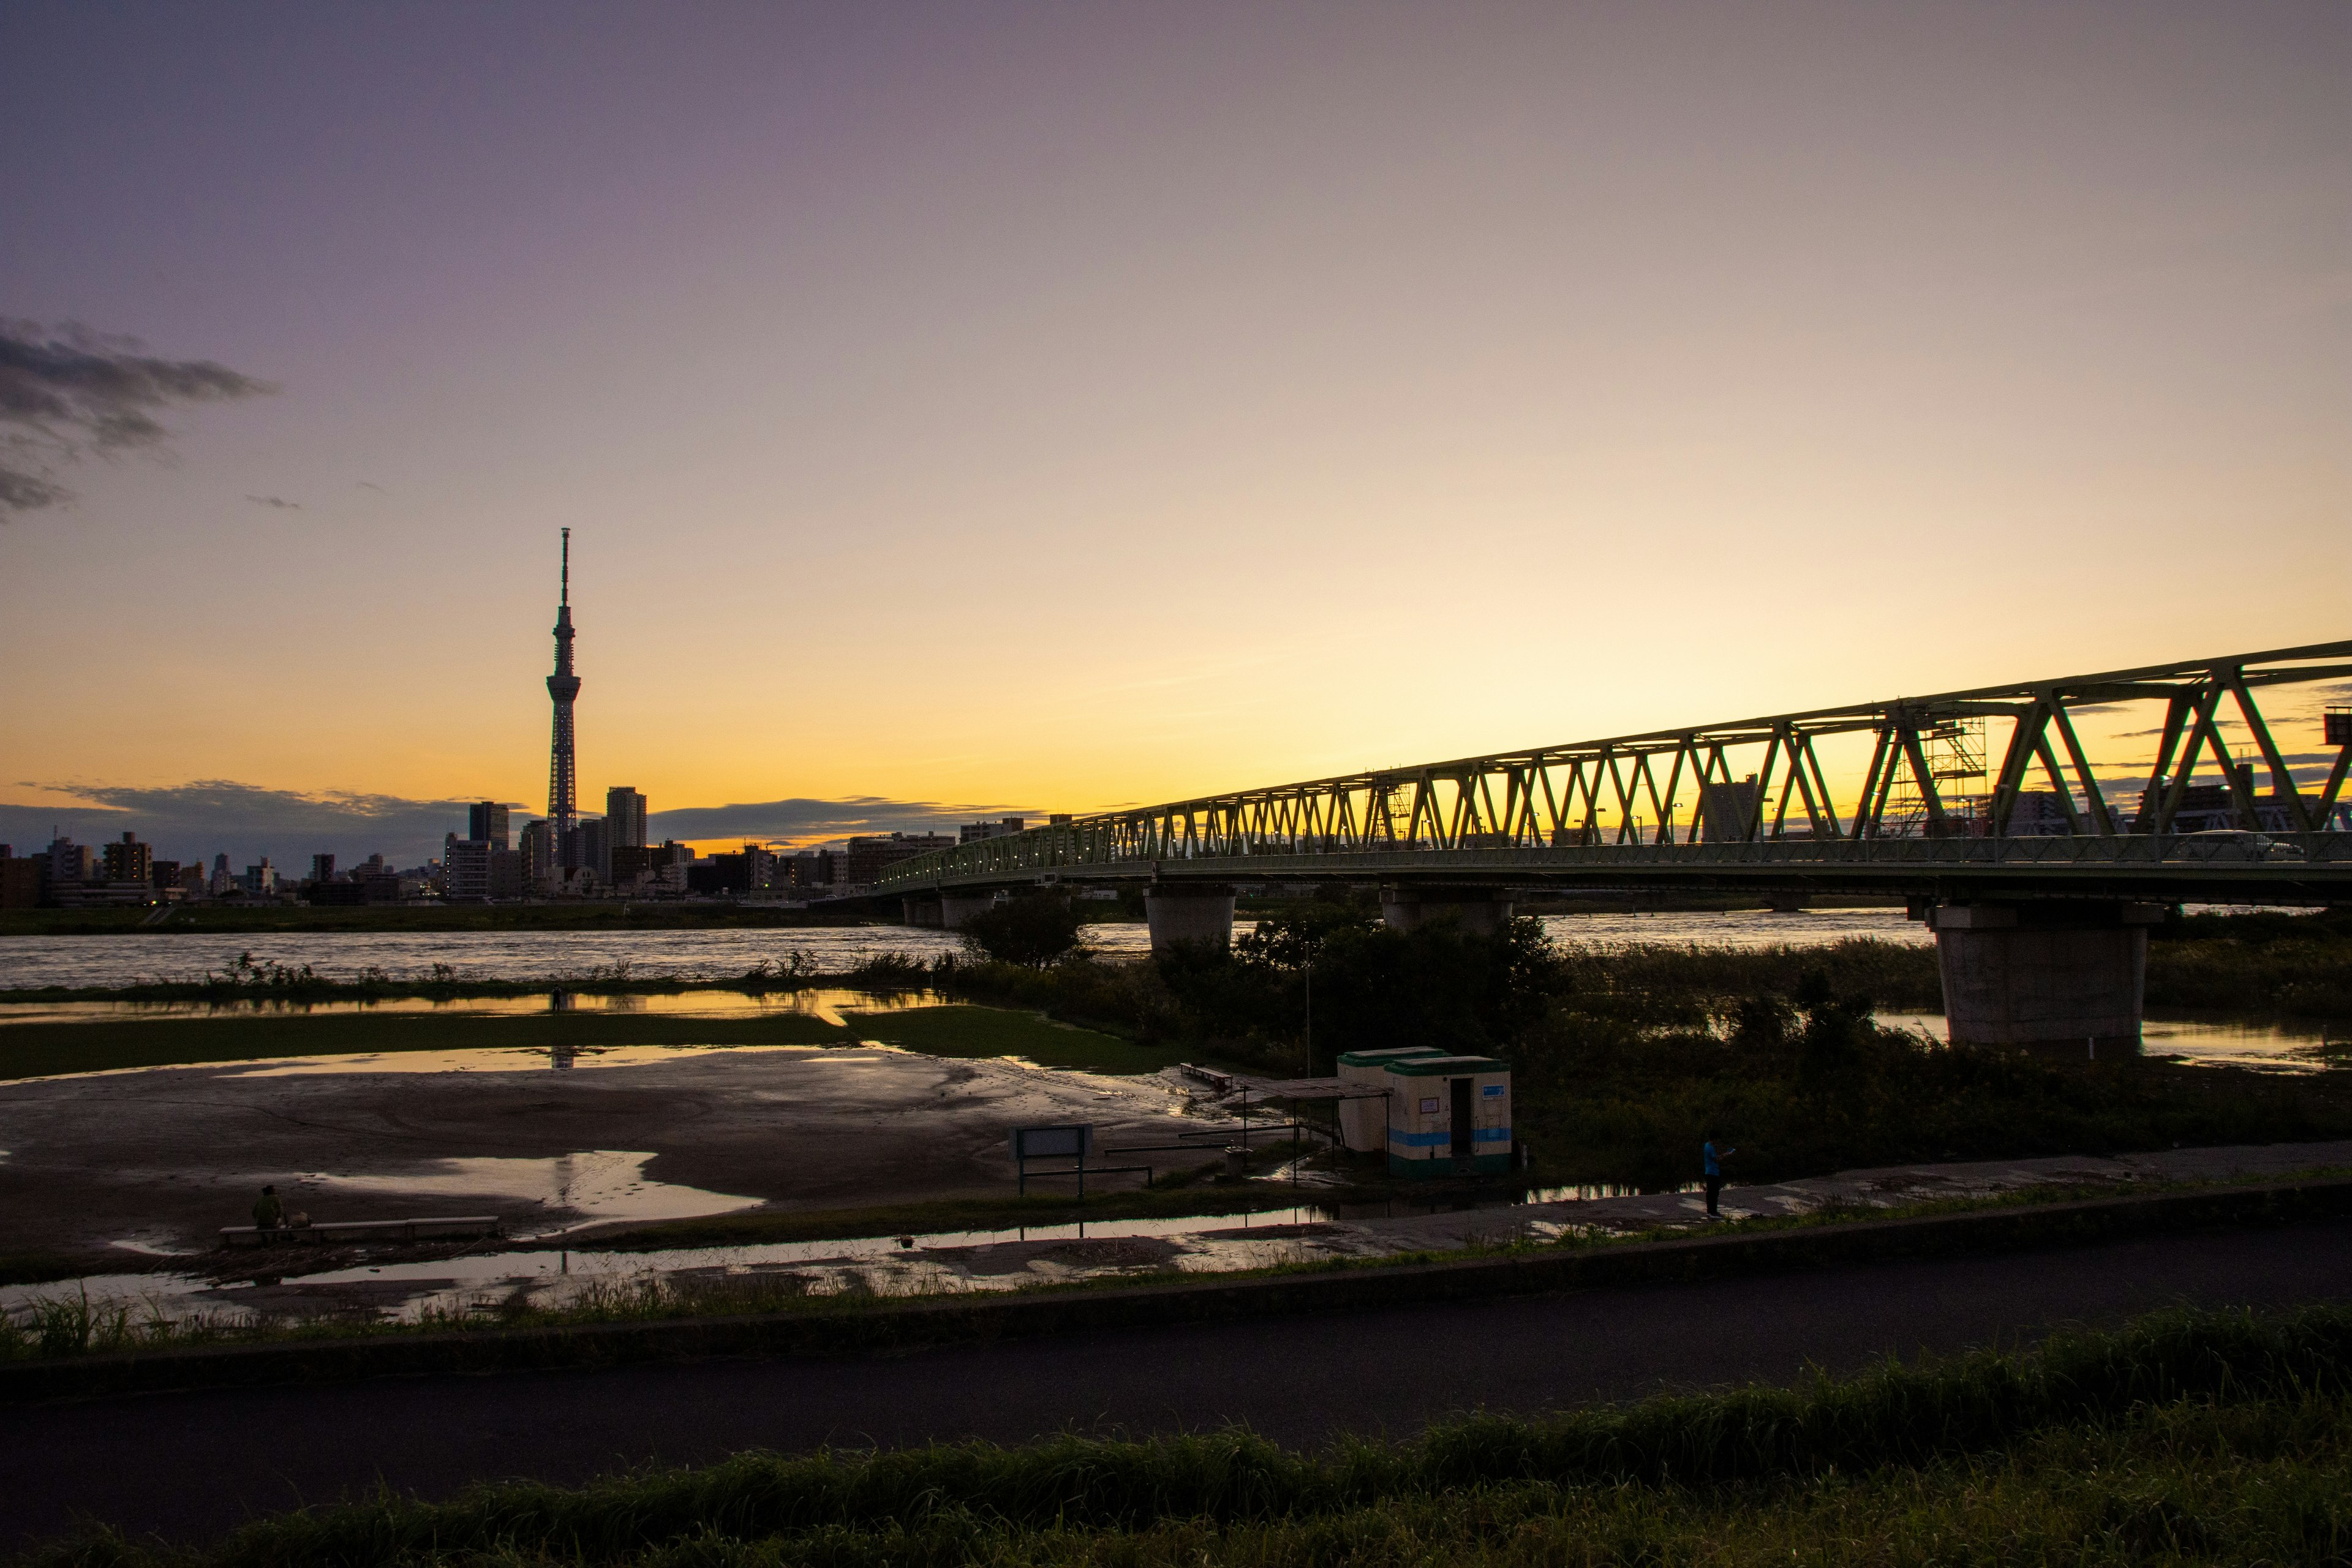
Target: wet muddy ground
(161, 1159)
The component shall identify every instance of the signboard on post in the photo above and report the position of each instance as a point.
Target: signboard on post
(1074, 1142)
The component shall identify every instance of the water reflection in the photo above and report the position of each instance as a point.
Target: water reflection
(2198, 1039)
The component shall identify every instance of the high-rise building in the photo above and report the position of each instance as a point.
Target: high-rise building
(625, 817)
(563, 687)
(538, 854)
(129, 861)
(221, 880)
(589, 847)
(323, 867)
(487, 820)
(978, 832)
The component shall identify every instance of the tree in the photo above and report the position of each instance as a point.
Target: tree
(1034, 930)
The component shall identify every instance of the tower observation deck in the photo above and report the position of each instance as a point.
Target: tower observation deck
(563, 687)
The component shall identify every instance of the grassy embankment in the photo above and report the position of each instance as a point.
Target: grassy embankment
(2182, 1437)
(33, 1050)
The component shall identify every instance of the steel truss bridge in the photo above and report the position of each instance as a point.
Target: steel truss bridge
(1751, 804)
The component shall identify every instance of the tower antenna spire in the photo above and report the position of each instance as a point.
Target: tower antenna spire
(567, 567)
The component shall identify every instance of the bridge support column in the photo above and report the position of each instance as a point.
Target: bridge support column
(2056, 974)
(956, 910)
(919, 911)
(1480, 911)
(1189, 915)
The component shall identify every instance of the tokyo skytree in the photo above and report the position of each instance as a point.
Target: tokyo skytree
(563, 783)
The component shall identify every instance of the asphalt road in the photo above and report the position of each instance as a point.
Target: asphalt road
(191, 1465)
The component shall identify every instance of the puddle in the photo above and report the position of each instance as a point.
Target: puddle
(557, 1275)
(2268, 1046)
(588, 1187)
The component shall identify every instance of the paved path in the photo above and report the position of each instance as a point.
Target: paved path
(191, 1465)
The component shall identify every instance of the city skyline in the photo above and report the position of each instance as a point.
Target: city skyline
(1004, 413)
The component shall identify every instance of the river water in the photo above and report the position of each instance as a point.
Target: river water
(131, 958)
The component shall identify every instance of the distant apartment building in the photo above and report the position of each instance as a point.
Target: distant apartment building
(69, 862)
(221, 882)
(1727, 809)
(625, 817)
(260, 880)
(128, 861)
(24, 880)
(979, 832)
(164, 874)
(651, 869)
(868, 857)
(323, 867)
(486, 823)
(476, 870)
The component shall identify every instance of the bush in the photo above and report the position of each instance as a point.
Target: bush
(1034, 931)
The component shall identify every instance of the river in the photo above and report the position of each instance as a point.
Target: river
(132, 957)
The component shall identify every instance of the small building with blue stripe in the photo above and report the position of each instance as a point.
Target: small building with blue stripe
(1448, 1116)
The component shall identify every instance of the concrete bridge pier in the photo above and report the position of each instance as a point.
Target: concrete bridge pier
(1181, 912)
(957, 910)
(2056, 974)
(919, 911)
(1483, 910)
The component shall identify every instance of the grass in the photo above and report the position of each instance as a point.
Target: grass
(2179, 1437)
(43, 1049)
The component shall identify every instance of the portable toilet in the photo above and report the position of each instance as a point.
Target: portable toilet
(1363, 1124)
(1448, 1116)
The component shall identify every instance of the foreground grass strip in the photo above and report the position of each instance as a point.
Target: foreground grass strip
(2184, 1436)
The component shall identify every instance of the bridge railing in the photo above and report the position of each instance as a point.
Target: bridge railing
(1073, 857)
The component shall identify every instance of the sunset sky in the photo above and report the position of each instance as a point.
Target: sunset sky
(1051, 406)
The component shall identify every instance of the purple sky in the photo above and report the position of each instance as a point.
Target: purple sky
(1066, 405)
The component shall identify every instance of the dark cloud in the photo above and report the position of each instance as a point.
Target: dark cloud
(280, 502)
(66, 392)
(197, 821)
(818, 821)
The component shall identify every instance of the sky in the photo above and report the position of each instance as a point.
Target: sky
(962, 409)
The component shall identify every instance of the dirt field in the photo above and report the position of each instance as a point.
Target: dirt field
(161, 1158)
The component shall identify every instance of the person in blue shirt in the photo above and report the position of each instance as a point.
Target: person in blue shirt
(1714, 1159)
